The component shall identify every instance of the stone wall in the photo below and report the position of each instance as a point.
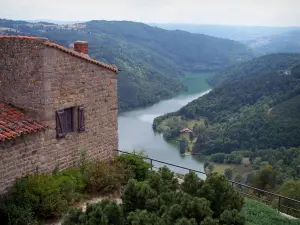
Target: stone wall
(59, 81)
(19, 157)
(20, 79)
(70, 82)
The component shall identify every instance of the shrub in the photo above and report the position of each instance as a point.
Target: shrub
(218, 190)
(136, 164)
(104, 213)
(41, 194)
(163, 180)
(71, 183)
(104, 177)
(143, 217)
(10, 213)
(136, 194)
(233, 217)
(156, 200)
(191, 183)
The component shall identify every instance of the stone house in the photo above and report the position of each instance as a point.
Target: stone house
(54, 103)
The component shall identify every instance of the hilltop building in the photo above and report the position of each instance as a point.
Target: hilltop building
(54, 103)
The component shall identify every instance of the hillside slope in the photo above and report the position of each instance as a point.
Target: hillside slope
(238, 33)
(251, 112)
(151, 59)
(280, 62)
(285, 42)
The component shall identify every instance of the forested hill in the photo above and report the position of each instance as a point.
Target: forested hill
(257, 111)
(280, 62)
(151, 59)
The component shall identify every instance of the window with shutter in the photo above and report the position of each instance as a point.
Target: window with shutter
(64, 122)
(60, 122)
(69, 120)
(81, 124)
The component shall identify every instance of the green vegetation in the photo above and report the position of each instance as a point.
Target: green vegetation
(152, 60)
(255, 67)
(240, 113)
(148, 197)
(42, 196)
(285, 162)
(255, 107)
(232, 158)
(260, 214)
(161, 200)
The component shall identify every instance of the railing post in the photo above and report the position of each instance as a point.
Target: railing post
(279, 199)
(151, 162)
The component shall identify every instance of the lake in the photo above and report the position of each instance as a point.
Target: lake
(135, 127)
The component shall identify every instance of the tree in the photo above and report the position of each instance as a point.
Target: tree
(143, 217)
(238, 178)
(233, 217)
(265, 178)
(290, 188)
(156, 201)
(183, 144)
(210, 168)
(191, 183)
(217, 189)
(249, 178)
(191, 136)
(228, 173)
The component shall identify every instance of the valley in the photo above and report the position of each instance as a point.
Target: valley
(250, 123)
(150, 58)
(150, 112)
(135, 127)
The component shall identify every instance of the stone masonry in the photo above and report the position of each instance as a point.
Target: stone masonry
(41, 80)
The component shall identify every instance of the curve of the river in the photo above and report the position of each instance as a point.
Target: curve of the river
(135, 132)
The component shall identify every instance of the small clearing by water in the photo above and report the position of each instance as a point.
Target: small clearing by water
(237, 169)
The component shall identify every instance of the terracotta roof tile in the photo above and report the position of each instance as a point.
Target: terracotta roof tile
(66, 50)
(14, 123)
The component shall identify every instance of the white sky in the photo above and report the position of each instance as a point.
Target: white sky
(238, 12)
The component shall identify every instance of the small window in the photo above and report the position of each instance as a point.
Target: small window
(64, 122)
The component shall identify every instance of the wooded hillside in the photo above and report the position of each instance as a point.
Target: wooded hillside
(151, 59)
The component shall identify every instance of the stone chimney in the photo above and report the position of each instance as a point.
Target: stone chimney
(81, 47)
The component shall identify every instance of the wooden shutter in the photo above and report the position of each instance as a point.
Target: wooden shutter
(81, 125)
(60, 123)
(69, 120)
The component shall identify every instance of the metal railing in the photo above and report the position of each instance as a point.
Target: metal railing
(283, 204)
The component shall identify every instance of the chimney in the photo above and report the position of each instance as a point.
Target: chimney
(81, 47)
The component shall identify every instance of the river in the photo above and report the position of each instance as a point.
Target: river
(135, 127)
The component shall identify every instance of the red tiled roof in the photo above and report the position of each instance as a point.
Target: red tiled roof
(14, 123)
(66, 50)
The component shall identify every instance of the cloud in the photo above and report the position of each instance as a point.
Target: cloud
(247, 12)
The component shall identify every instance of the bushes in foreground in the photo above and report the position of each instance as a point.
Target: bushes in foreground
(161, 200)
(147, 197)
(42, 196)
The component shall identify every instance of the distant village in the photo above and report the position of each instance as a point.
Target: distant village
(44, 27)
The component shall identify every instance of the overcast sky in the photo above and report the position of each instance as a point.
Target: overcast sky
(238, 12)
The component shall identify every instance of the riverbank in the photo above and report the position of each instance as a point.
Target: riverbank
(135, 126)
